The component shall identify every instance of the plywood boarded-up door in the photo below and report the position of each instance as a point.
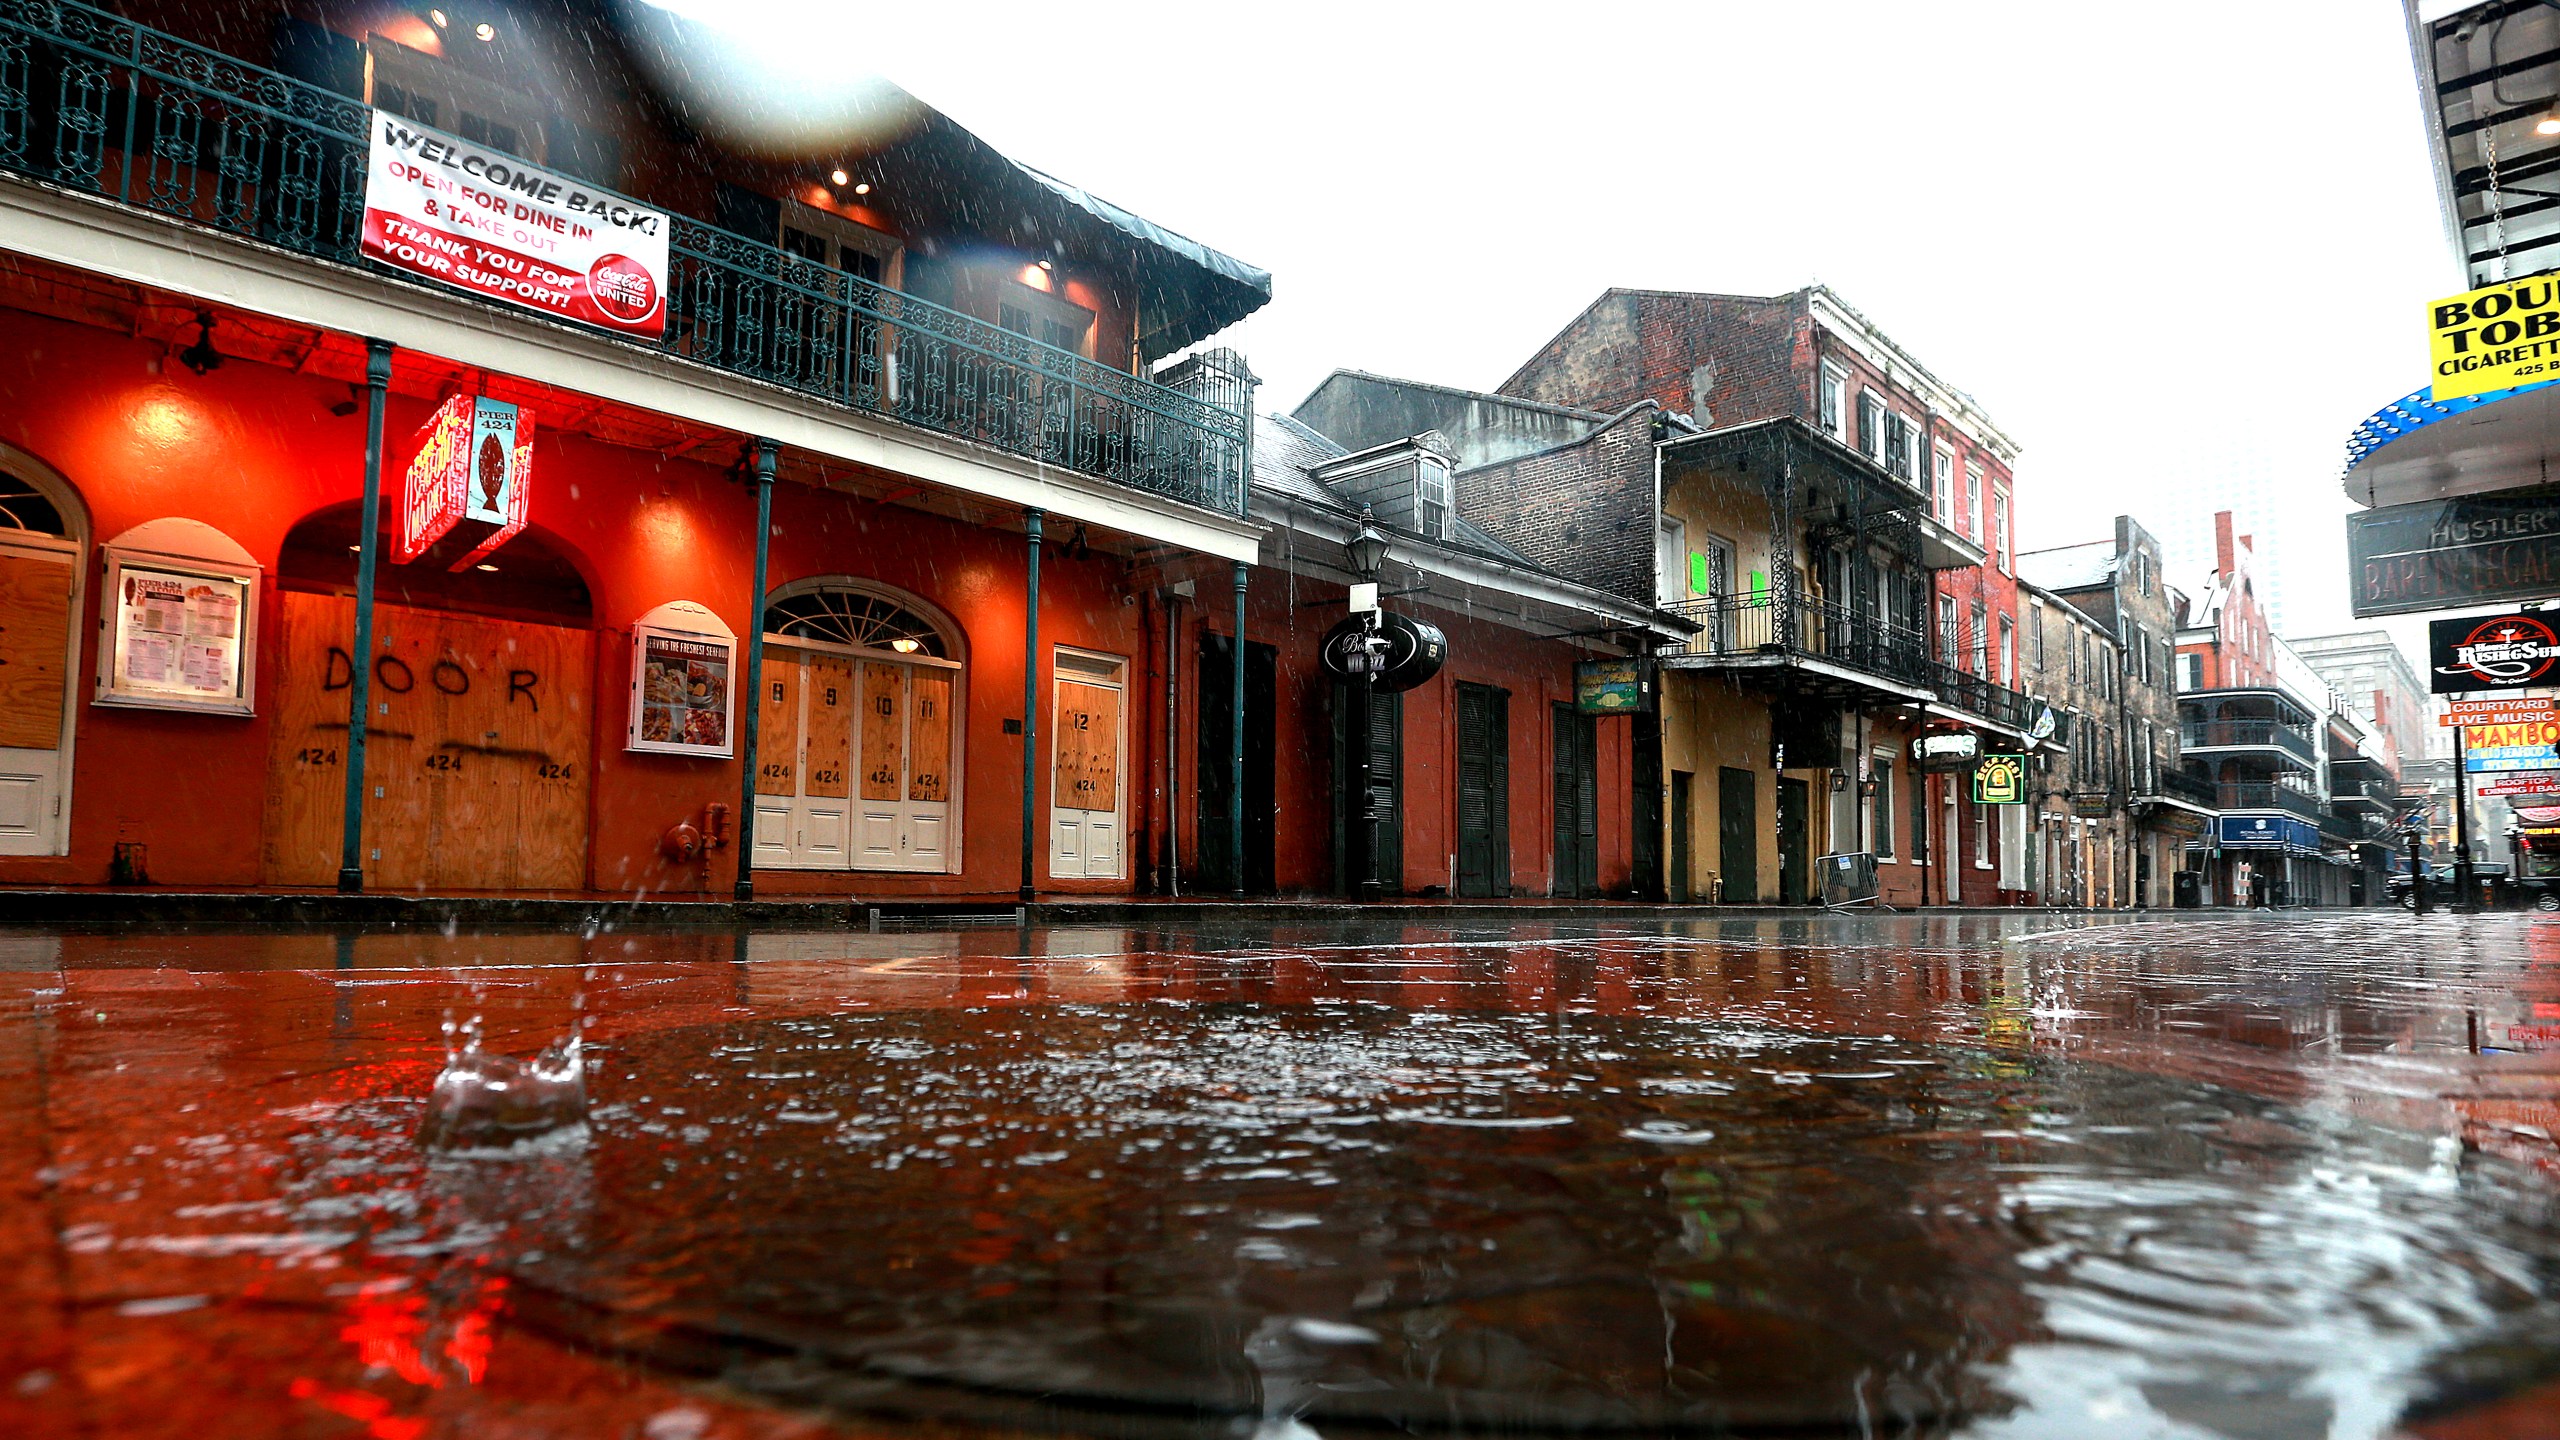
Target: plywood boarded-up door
(38, 579)
(479, 750)
(1086, 771)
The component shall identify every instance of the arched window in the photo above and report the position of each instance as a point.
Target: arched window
(24, 507)
(839, 613)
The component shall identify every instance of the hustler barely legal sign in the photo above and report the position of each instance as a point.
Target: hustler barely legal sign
(2491, 652)
(483, 221)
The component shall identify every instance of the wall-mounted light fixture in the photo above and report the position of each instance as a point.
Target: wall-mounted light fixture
(201, 357)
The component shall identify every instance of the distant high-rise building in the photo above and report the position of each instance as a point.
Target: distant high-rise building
(2183, 513)
(2373, 674)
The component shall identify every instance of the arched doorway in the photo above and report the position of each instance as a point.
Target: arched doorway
(44, 534)
(859, 751)
(481, 736)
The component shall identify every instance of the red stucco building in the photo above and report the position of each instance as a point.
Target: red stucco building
(943, 375)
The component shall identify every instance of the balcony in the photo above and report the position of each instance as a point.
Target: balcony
(1764, 631)
(2353, 795)
(2194, 790)
(2243, 795)
(2195, 736)
(98, 105)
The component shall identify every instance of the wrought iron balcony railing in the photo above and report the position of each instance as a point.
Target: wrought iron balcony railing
(1977, 696)
(2244, 795)
(1769, 622)
(2194, 789)
(2246, 734)
(94, 103)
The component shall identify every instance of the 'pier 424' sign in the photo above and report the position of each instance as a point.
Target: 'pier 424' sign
(2491, 652)
(484, 221)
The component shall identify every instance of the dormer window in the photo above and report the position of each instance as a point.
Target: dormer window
(1406, 484)
(1431, 501)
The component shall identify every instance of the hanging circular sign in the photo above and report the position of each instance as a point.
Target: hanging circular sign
(1399, 654)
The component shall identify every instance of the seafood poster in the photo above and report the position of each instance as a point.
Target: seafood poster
(684, 695)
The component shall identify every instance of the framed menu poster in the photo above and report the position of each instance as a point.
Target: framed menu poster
(684, 683)
(177, 634)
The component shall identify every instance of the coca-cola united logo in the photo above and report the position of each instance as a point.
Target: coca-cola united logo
(2497, 652)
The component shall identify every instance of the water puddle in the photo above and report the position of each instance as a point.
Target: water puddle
(1222, 1218)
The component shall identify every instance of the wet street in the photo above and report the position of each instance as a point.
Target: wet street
(2243, 1175)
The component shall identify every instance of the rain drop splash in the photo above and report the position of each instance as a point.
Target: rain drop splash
(491, 1102)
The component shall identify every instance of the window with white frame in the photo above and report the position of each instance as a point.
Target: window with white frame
(1871, 425)
(1832, 402)
(1981, 640)
(1942, 481)
(1671, 561)
(2008, 652)
(1972, 497)
(1431, 496)
(2000, 530)
(1948, 649)
(1981, 836)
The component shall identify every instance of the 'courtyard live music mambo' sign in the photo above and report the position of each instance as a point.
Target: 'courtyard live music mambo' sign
(486, 222)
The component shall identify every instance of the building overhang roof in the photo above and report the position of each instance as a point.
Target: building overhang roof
(2488, 71)
(2418, 448)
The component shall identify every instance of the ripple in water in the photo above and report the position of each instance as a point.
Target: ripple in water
(1214, 1219)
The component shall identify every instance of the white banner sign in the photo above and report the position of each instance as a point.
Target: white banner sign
(483, 221)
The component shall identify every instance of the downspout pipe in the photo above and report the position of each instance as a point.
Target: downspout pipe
(1030, 694)
(377, 383)
(765, 454)
(1235, 759)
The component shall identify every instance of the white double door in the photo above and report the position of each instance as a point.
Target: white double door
(39, 587)
(855, 761)
(1088, 787)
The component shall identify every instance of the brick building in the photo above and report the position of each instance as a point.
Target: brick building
(1831, 519)
(2082, 848)
(2119, 582)
(1917, 556)
(2252, 723)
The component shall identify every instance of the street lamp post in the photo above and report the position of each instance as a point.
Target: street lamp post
(2417, 872)
(1368, 554)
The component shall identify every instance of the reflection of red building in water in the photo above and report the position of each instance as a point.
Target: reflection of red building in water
(933, 365)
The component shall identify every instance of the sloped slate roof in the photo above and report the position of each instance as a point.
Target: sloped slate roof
(1285, 451)
(2071, 567)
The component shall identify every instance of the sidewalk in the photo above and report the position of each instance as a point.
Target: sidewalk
(54, 908)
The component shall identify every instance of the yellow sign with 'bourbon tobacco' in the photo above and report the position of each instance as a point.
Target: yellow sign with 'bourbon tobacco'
(2495, 338)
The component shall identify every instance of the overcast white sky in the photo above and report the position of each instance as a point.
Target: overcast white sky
(2157, 241)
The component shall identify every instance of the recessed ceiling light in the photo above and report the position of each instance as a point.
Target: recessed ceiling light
(438, 17)
(840, 177)
(485, 565)
(485, 30)
(862, 189)
(2548, 124)
(1045, 265)
(355, 549)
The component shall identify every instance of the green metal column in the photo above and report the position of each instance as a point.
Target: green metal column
(1030, 698)
(1235, 760)
(766, 452)
(377, 381)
